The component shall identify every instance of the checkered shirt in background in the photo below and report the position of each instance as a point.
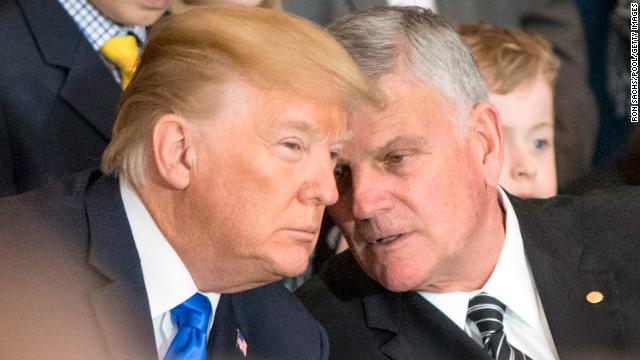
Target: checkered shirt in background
(97, 29)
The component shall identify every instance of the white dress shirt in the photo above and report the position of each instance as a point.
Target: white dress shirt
(166, 278)
(512, 283)
(427, 4)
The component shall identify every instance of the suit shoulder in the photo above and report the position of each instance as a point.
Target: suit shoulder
(601, 210)
(279, 299)
(279, 324)
(598, 202)
(340, 278)
(334, 296)
(605, 222)
(337, 296)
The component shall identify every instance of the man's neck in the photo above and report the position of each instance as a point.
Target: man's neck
(480, 256)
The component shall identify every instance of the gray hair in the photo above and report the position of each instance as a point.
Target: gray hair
(382, 39)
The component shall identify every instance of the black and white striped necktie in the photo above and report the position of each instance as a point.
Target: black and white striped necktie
(487, 313)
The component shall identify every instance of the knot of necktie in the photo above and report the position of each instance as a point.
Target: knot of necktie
(487, 313)
(194, 312)
(192, 319)
(123, 52)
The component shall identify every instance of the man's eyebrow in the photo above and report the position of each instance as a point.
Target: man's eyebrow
(301, 125)
(405, 141)
(310, 128)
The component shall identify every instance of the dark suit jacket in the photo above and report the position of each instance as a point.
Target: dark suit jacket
(72, 287)
(558, 21)
(574, 246)
(57, 97)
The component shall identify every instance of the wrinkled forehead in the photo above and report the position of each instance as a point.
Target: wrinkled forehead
(268, 110)
(322, 119)
(408, 113)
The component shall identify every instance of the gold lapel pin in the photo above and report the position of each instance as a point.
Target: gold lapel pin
(595, 297)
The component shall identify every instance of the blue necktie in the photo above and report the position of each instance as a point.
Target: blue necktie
(192, 318)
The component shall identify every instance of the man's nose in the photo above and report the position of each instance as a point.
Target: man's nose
(369, 192)
(319, 187)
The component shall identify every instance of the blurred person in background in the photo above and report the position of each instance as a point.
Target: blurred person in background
(617, 156)
(63, 65)
(520, 71)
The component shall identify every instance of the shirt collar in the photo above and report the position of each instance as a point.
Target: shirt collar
(454, 305)
(97, 28)
(166, 278)
(511, 280)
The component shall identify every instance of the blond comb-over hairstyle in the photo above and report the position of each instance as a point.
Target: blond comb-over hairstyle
(207, 46)
(508, 58)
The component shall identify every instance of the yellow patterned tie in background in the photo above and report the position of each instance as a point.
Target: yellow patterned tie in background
(123, 52)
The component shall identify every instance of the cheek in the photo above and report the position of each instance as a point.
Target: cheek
(505, 180)
(238, 199)
(547, 178)
(252, 177)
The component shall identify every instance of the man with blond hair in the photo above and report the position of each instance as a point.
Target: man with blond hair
(442, 263)
(212, 188)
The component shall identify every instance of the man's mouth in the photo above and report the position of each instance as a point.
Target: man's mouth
(387, 239)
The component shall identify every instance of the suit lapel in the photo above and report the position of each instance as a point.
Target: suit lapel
(223, 337)
(565, 272)
(91, 90)
(382, 312)
(89, 87)
(122, 307)
(419, 330)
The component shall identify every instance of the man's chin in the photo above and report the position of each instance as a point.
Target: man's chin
(397, 286)
(290, 267)
(297, 270)
(396, 282)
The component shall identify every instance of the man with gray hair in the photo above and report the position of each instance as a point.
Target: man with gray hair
(444, 264)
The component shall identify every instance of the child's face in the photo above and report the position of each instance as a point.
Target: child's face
(529, 169)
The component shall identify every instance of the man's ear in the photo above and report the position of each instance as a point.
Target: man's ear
(173, 150)
(487, 130)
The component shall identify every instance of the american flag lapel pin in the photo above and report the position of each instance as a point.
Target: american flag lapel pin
(241, 343)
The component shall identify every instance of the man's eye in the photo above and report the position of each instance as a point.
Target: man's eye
(293, 145)
(395, 159)
(291, 149)
(540, 144)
